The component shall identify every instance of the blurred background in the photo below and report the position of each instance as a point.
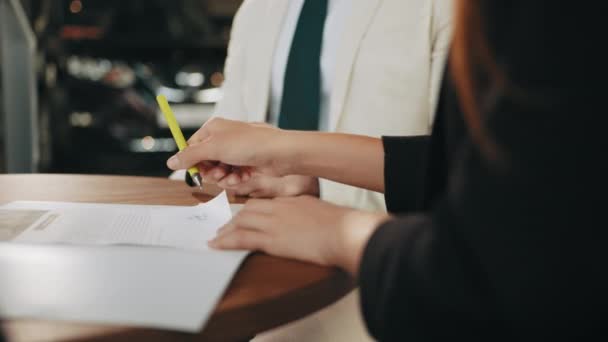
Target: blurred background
(78, 80)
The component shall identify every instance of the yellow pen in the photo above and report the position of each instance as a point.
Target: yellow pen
(178, 136)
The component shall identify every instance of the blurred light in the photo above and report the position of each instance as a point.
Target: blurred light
(81, 119)
(217, 79)
(78, 32)
(190, 79)
(50, 75)
(76, 6)
(74, 66)
(105, 65)
(173, 95)
(151, 145)
(90, 69)
(212, 95)
(147, 143)
(119, 76)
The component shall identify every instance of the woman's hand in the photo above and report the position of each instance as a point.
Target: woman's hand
(235, 149)
(303, 228)
(264, 186)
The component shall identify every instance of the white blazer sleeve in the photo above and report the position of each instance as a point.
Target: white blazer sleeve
(441, 41)
(231, 106)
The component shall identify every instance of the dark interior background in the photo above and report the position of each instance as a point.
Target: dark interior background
(101, 64)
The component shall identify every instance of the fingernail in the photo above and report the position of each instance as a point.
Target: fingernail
(212, 243)
(218, 175)
(232, 181)
(173, 162)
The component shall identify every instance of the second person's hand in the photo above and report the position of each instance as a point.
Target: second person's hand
(302, 228)
(264, 186)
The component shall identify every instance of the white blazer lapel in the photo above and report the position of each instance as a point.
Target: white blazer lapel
(361, 17)
(263, 57)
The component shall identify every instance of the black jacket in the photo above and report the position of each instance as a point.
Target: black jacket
(511, 250)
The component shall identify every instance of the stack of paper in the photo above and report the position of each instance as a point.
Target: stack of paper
(116, 264)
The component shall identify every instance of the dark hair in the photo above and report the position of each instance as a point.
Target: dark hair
(470, 57)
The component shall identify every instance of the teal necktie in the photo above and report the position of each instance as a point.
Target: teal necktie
(301, 99)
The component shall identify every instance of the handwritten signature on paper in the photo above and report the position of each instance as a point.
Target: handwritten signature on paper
(198, 218)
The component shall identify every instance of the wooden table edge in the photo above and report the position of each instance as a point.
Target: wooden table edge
(334, 288)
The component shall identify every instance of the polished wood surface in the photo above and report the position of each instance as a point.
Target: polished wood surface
(266, 292)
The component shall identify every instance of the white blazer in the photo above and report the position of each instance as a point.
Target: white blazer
(389, 67)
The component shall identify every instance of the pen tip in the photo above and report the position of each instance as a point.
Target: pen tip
(198, 181)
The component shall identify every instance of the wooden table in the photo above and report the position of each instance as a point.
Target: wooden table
(266, 292)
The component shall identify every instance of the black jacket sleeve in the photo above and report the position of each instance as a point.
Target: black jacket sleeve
(407, 156)
(415, 166)
(513, 248)
(499, 246)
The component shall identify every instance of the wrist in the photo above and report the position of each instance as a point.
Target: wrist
(356, 229)
(294, 150)
(295, 185)
(283, 147)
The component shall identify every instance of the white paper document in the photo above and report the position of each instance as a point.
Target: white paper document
(136, 265)
(106, 224)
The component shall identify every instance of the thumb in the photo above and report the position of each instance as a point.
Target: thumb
(193, 155)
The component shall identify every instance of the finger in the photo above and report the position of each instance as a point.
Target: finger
(198, 137)
(233, 179)
(242, 189)
(193, 155)
(297, 199)
(260, 194)
(246, 185)
(246, 220)
(246, 174)
(241, 239)
(204, 132)
(226, 228)
(270, 187)
(206, 168)
(261, 206)
(250, 219)
(221, 171)
(207, 165)
(212, 175)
